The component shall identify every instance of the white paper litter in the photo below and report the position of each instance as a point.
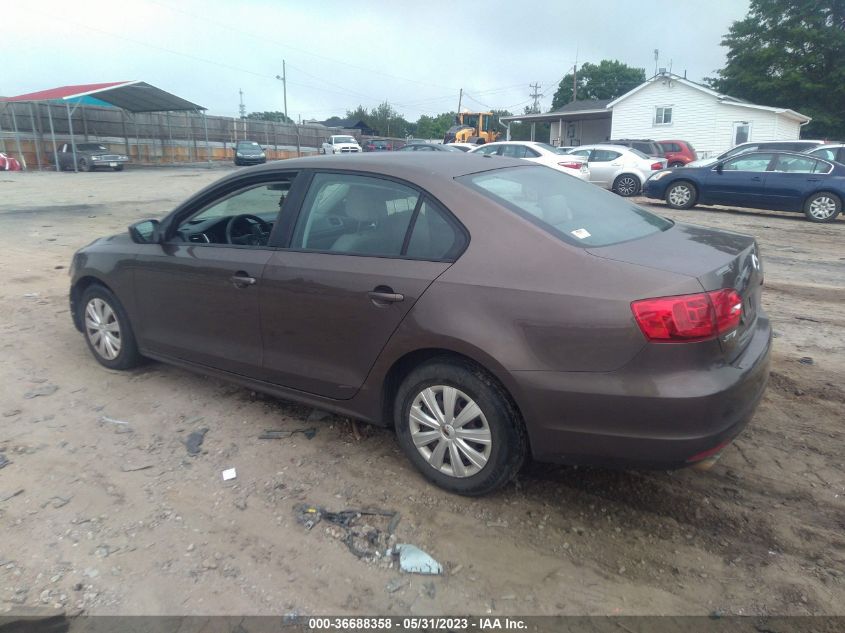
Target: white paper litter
(229, 473)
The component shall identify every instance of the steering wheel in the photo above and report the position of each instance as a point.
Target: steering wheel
(259, 230)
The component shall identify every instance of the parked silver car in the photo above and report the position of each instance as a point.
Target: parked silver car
(834, 151)
(621, 169)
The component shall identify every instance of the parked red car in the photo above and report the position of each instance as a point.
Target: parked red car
(8, 163)
(677, 153)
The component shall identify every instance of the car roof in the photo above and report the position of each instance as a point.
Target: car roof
(829, 146)
(604, 146)
(410, 166)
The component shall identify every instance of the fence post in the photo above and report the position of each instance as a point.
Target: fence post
(36, 134)
(53, 135)
(17, 135)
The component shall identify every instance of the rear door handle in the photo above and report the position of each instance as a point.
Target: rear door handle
(756, 178)
(378, 297)
(242, 280)
(813, 179)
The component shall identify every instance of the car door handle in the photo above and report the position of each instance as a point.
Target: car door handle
(756, 178)
(242, 280)
(385, 296)
(813, 179)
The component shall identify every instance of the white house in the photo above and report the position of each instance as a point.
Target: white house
(670, 107)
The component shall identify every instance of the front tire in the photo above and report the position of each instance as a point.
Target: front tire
(681, 195)
(626, 185)
(118, 168)
(84, 165)
(822, 207)
(107, 330)
(459, 428)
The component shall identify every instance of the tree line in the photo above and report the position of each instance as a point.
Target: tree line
(783, 53)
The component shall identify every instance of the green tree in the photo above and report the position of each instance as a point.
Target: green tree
(606, 80)
(278, 117)
(435, 126)
(792, 55)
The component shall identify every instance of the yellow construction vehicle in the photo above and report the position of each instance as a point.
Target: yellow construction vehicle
(472, 127)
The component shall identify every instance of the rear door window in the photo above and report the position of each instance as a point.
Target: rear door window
(574, 211)
(603, 155)
(514, 151)
(800, 165)
(752, 162)
(435, 236)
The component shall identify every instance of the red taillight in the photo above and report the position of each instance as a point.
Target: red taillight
(709, 452)
(656, 166)
(571, 164)
(689, 317)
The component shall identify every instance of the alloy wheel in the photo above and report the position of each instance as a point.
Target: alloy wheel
(450, 431)
(102, 328)
(680, 195)
(823, 207)
(627, 186)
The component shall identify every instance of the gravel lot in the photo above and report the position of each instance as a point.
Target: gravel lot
(103, 510)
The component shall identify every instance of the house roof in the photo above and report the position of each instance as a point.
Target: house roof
(587, 105)
(134, 96)
(722, 98)
(586, 108)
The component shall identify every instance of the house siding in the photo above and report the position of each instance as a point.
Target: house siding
(587, 131)
(697, 117)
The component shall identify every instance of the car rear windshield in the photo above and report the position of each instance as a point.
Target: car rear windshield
(573, 210)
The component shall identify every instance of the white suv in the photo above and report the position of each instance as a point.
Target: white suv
(340, 144)
(538, 153)
(621, 169)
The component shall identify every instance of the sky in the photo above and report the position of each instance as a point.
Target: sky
(342, 53)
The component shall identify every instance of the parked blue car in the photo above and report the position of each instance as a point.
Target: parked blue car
(783, 181)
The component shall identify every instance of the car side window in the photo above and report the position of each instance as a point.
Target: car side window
(434, 236)
(604, 156)
(826, 153)
(796, 164)
(754, 162)
(488, 150)
(243, 218)
(531, 153)
(513, 151)
(354, 215)
(580, 152)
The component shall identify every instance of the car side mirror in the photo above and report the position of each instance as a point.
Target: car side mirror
(146, 232)
(719, 168)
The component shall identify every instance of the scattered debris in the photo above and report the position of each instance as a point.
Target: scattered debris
(105, 418)
(366, 541)
(396, 584)
(194, 441)
(805, 360)
(317, 415)
(229, 473)
(132, 469)
(429, 589)
(413, 560)
(6, 497)
(804, 318)
(4, 461)
(278, 434)
(43, 390)
(57, 502)
(11, 412)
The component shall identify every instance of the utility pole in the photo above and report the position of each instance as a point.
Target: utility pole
(575, 82)
(242, 107)
(536, 96)
(284, 79)
(656, 57)
(460, 99)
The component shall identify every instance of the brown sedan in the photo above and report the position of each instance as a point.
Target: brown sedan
(487, 310)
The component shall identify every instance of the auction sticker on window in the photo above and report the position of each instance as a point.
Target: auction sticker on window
(581, 233)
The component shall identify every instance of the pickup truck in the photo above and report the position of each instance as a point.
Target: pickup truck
(89, 156)
(340, 144)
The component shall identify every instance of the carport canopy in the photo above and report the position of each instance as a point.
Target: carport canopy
(132, 96)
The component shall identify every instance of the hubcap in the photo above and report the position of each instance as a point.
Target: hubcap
(680, 195)
(627, 186)
(822, 208)
(450, 431)
(102, 328)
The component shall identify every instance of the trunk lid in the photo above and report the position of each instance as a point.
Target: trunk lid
(717, 259)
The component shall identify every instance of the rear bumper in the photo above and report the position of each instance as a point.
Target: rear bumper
(250, 160)
(645, 415)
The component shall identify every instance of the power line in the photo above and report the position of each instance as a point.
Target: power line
(536, 97)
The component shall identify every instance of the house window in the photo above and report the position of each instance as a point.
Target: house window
(663, 116)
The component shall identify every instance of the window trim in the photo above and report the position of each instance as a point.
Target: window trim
(664, 123)
(222, 191)
(450, 217)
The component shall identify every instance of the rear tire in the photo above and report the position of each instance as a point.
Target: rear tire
(822, 207)
(681, 195)
(84, 165)
(626, 185)
(106, 328)
(488, 444)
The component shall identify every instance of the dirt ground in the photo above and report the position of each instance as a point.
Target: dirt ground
(103, 510)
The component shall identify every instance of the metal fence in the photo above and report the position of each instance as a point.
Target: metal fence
(27, 130)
